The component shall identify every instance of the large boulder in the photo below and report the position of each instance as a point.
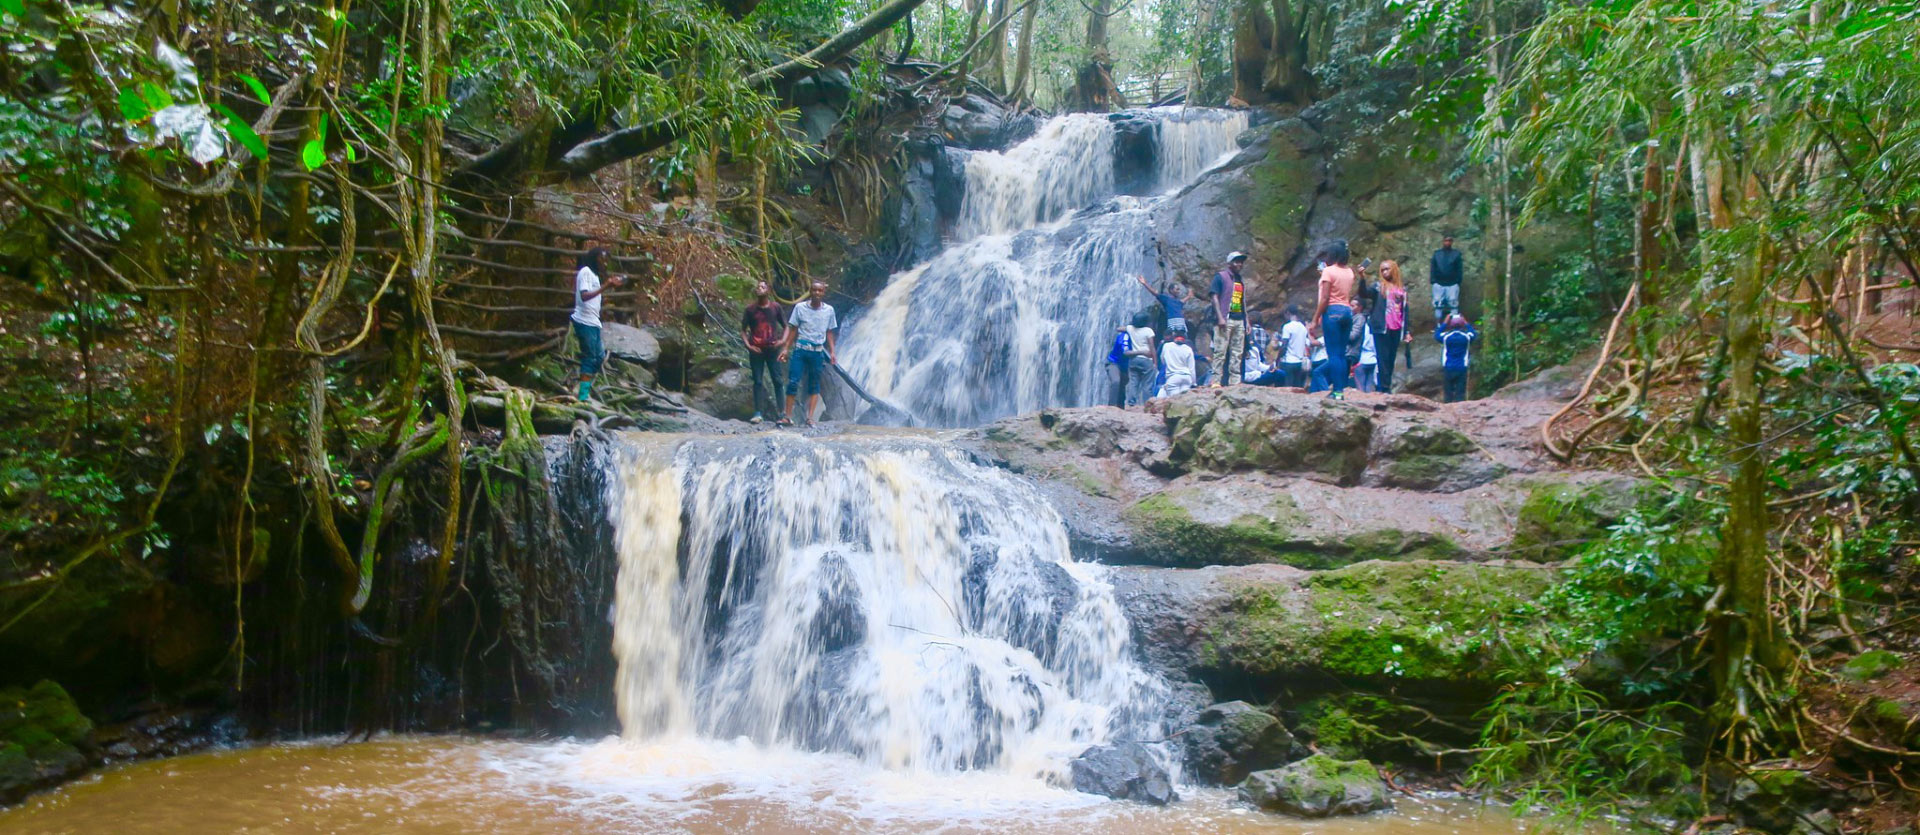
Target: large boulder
(1318, 787)
(630, 343)
(1255, 428)
(1124, 771)
(1231, 740)
(728, 396)
(41, 735)
(979, 123)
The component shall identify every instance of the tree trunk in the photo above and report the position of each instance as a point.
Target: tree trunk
(1742, 629)
(1023, 61)
(995, 58)
(1093, 88)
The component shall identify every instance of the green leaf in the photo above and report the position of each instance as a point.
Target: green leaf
(352, 155)
(131, 105)
(17, 8)
(241, 132)
(313, 154)
(323, 126)
(259, 90)
(155, 96)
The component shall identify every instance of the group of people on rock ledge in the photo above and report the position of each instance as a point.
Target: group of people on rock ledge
(1353, 339)
(789, 348)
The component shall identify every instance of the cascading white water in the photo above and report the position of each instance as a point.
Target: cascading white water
(883, 597)
(1018, 314)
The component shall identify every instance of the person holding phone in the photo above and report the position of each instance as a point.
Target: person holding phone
(587, 291)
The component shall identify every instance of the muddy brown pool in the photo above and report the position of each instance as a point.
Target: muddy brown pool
(461, 785)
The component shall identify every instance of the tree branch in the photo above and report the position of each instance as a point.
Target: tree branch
(627, 143)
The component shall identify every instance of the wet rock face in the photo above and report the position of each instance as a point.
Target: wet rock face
(1318, 787)
(1136, 145)
(1250, 428)
(1124, 771)
(981, 124)
(1230, 740)
(1033, 620)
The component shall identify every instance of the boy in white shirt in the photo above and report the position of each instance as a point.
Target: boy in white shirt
(1296, 348)
(1178, 357)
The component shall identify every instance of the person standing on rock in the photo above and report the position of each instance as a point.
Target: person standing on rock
(811, 329)
(1333, 315)
(1173, 302)
(1178, 358)
(587, 292)
(1444, 275)
(1296, 348)
(764, 330)
(1369, 354)
(1456, 343)
(1229, 291)
(1116, 368)
(1140, 360)
(1390, 318)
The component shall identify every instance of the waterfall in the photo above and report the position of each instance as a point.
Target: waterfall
(883, 597)
(1018, 313)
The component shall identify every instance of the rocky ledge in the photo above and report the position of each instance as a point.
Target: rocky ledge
(1331, 580)
(1250, 475)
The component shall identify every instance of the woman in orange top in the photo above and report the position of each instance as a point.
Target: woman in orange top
(1333, 316)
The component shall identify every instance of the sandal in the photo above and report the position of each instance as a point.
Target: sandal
(783, 422)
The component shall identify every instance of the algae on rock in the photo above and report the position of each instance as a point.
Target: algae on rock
(1318, 787)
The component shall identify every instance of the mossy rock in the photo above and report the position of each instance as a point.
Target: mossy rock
(1870, 665)
(1447, 625)
(1559, 518)
(1429, 456)
(41, 730)
(1318, 787)
(1165, 524)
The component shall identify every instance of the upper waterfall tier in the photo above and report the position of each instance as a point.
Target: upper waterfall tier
(1017, 315)
(884, 597)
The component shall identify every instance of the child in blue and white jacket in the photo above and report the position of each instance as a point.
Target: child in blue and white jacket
(1456, 341)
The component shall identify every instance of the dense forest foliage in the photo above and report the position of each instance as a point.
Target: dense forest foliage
(279, 278)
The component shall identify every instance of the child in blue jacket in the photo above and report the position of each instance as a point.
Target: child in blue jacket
(1456, 340)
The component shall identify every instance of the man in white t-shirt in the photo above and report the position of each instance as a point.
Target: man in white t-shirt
(1177, 355)
(811, 330)
(587, 292)
(1296, 348)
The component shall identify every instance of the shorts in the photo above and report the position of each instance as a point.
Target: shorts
(806, 372)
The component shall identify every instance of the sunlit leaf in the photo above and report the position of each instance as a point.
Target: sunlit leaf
(259, 90)
(242, 132)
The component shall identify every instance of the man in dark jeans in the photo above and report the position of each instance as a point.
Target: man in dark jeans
(1443, 275)
(763, 326)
